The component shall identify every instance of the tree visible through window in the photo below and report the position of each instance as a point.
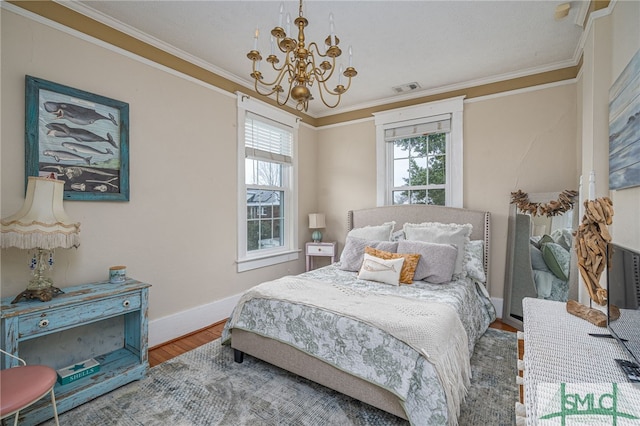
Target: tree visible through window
(419, 154)
(419, 169)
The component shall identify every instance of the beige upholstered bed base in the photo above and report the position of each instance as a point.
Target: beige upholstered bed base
(298, 362)
(291, 359)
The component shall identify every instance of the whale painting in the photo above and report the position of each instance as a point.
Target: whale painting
(79, 137)
(624, 127)
(76, 114)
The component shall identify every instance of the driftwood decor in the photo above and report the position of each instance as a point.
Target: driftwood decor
(591, 241)
(594, 316)
(557, 207)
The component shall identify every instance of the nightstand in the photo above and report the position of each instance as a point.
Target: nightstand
(328, 249)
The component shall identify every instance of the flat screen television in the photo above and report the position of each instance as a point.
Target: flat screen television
(623, 286)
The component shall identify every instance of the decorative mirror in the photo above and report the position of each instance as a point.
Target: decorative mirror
(541, 259)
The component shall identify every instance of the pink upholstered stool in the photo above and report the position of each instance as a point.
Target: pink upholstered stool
(24, 385)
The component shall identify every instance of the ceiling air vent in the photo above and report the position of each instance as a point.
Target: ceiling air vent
(408, 87)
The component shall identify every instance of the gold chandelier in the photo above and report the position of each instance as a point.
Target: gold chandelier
(299, 67)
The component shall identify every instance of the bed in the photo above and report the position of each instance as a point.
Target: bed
(369, 357)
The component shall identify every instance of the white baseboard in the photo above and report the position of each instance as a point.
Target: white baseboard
(497, 303)
(173, 326)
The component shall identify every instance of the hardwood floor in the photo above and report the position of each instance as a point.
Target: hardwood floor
(166, 351)
(502, 326)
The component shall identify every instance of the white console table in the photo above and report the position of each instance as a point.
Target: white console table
(559, 349)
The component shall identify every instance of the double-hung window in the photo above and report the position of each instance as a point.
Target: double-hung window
(267, 200)
(419, 154)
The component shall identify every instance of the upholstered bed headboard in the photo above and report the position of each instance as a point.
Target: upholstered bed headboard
(418, 213)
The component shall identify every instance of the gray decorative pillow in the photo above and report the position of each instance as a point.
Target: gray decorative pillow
(374, 232)
(353, 252)
(537, 261)
(474, 261)
(557, 259)
(535, 241)
(437, 261)
(441, 233)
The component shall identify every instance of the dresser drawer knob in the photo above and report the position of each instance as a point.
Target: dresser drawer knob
(126, 303)
(43, 323)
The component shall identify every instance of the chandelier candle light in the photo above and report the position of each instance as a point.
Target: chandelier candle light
(300, 65)
(41, 224)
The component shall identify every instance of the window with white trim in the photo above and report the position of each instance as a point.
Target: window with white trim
(419, 154)
(266, 177)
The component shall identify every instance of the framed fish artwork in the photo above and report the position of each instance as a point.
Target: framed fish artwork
(79, 137)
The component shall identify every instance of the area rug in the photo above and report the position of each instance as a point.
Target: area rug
(206, 387)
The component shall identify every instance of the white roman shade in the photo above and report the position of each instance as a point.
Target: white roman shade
(442, 125)
(267, 140)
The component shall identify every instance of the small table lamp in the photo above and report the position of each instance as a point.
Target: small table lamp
(316, 221)
(41, 224)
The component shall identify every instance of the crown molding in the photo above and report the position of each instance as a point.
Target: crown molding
(550, 68)
(595, 11)
(150, 40)
(59, 15)
(63, 15)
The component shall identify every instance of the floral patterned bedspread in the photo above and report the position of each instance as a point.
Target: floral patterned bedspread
(366, 351)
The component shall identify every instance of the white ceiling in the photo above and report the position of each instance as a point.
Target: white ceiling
(441, 45)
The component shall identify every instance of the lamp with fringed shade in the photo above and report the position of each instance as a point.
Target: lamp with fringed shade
(43, 225)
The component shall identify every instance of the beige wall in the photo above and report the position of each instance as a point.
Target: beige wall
(523, 141)
(516, 141)
(347, 179)
(178, 231)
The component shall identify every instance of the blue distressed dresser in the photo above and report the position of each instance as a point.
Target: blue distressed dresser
(74, 326)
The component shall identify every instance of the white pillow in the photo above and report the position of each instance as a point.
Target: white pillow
(374, 232)
(397, 236)
(381, 270)
(442, 233)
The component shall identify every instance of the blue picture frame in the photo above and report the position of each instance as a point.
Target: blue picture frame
(624, 127)
(79, 137)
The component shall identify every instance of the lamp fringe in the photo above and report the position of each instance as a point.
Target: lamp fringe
(29, 240)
